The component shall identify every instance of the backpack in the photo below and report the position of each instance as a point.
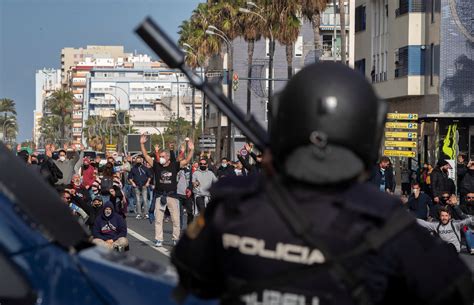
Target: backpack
(452, 226)
(105, 185)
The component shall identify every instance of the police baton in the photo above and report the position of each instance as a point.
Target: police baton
(169, 52)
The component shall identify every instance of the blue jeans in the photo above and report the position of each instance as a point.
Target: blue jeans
(470, 239)
(130, 194)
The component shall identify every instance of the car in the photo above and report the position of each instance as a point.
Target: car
(46, 256)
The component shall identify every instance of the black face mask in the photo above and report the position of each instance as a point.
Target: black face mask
(34, 162)
(203, 167)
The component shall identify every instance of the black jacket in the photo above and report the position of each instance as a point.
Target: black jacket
(440, 183)
(236, 245)
(376, 178)
(227, 171)
(420, 206)
(467, 183)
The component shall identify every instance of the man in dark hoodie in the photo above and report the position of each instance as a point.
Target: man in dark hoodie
(96, 210)
(110, 229)
(467, 183)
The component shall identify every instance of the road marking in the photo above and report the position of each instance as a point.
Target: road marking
(142, 238)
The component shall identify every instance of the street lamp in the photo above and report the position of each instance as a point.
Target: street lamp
(191, 51)
(271, 50)
(212, 30)
(128, 97)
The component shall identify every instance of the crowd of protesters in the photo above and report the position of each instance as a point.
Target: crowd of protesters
(149, 186)
(440, 206)
(166, 185)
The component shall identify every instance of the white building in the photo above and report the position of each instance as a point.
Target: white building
(46, 81)
(150, 96)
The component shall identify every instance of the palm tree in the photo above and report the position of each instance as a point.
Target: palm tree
(286, 25)
(7, 106)
(60, 105)
(252, 28)
(49, 129)
(311, 9)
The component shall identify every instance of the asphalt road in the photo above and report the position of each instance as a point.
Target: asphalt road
(141, 238)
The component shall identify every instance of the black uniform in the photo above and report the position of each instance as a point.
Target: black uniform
(313, 234)
(255, 258)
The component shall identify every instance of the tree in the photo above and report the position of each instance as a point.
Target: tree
(60, 106)
(7, 107)
(171, 132)
(252, 27)
(286, 26)
(49, 129)
(311, 9)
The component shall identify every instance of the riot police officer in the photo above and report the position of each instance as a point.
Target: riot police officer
(310, 231)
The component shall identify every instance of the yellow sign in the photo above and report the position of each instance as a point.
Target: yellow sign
(405, 135)
(399, 153)
(111, 147)
(407, 144)
(401, 125)
(402, 116)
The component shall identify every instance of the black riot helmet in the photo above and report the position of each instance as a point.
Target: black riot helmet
(327, 125)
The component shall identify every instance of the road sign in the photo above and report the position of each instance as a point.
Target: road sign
(407, 144)
(207, 141)
(402, 116)
(405, 135)
(399, 153)
(111, 147)
(398, 125)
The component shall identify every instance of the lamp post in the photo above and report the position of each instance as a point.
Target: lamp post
(128, 98)
(212, 30)
(271, 50)
(190, 50)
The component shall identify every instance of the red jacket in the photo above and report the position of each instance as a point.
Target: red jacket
(88, 176)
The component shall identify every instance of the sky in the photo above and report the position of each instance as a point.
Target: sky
(33, 32)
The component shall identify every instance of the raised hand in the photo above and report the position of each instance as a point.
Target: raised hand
(157, 147)
(191, 145)
(143, 139)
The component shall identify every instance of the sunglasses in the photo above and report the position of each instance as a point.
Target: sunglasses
(445, 197)
(202, 163)
(468, 197)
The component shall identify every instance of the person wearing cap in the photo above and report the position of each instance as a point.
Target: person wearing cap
(440, 181)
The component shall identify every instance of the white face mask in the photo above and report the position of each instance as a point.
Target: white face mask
(224, 165)
(107, 212)
(62, 158)
(162, 160)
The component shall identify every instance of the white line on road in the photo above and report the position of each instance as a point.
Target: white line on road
(142, 238)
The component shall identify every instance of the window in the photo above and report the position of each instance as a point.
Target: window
(411, 61)
(360, 66)
(410, 6)
(360, 18)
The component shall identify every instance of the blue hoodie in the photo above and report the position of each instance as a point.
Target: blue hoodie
(111, 227)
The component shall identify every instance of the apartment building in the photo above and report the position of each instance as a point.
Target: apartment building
(419, 56)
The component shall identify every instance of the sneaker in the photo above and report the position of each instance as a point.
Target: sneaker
(146, 216)
(158, 243)
(174, 242)
(167, 219)
(472, 251)
(139, 216)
